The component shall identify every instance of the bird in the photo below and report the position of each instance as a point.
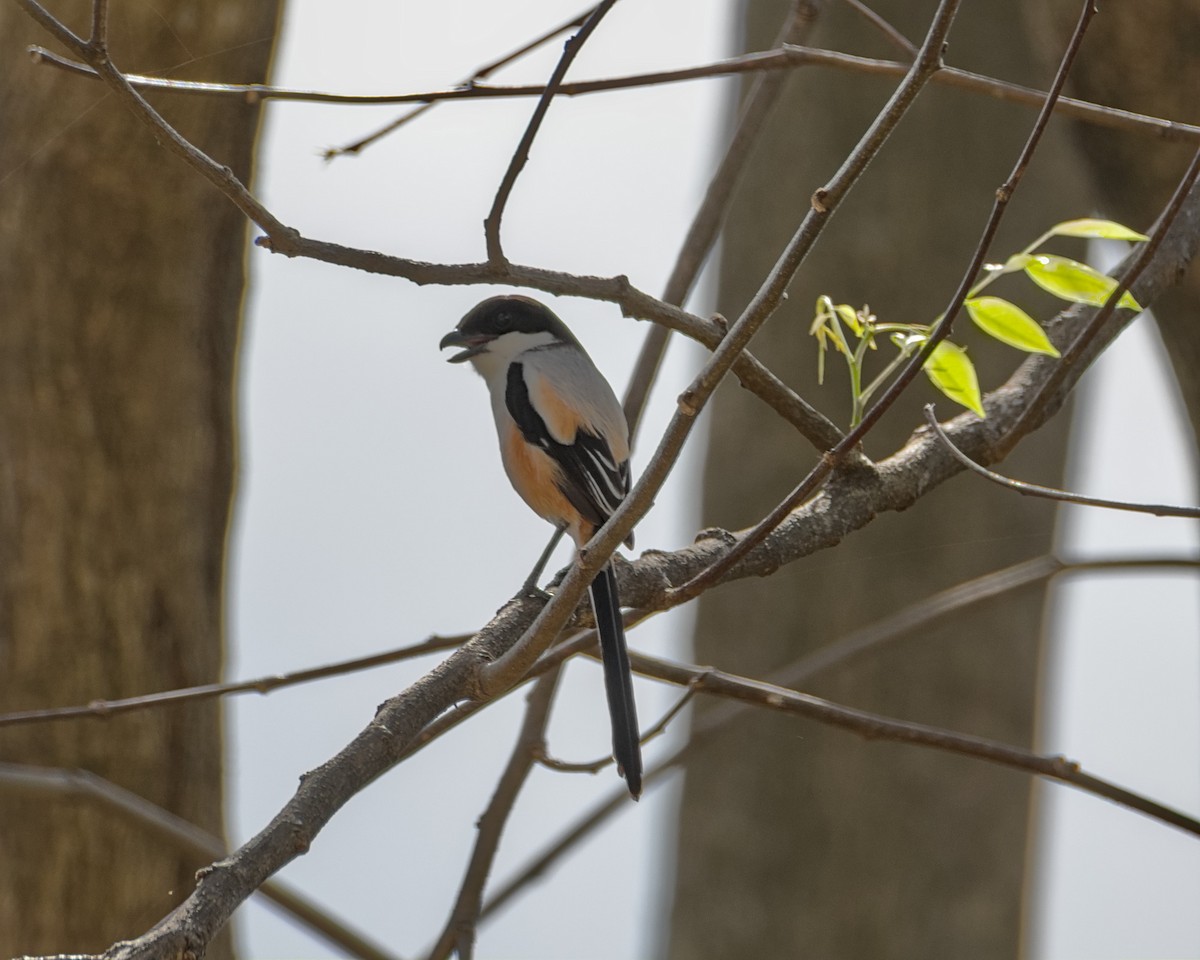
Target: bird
(564, 444)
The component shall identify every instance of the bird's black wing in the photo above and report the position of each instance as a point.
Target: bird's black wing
(592, 479)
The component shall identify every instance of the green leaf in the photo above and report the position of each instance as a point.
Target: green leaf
(1100, 229)
(954, 374)
(1074, 281)
(1009, 324)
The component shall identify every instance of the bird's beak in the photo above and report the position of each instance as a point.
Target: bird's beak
(474, 345)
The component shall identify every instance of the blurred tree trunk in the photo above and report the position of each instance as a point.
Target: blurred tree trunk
(829, 846)
(121, 288)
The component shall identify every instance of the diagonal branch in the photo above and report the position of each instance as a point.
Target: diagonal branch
(102, 709)
(842, 507)
(480, 73)
(757, 108)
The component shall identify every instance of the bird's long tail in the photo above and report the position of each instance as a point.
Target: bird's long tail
(618, 679)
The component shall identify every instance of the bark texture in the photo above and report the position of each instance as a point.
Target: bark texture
(120, 289)
(818, 844)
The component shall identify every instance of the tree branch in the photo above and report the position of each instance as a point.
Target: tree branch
(491, 226)
(789, 57)
(480, 73)
(102, 709)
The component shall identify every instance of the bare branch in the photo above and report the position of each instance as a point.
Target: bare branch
(491, 226)
(102, 709)
(594, 766)
(790, 57)
(99, 38)
(899, 625)
(1049, 493)
(219, 176)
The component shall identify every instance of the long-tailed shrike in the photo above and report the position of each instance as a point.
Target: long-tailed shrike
(565, 447)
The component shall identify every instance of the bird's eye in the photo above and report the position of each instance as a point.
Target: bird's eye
(503, 321)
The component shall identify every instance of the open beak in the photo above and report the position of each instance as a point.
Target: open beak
(474, 345)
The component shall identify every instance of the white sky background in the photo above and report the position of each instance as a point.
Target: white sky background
(373, 510)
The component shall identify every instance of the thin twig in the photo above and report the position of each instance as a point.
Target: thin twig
(791, 57)
(894, 36)
(491, 226)
(875, 727)
(102, 709)
(458, 936)
(702, 234)
(99, 38)
(186, 836)
(833, 459)
(1050, 493)
(480, 73)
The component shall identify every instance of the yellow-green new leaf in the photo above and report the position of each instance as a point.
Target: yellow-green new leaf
(1098, 229)
(1009, 324)
(953, 373)
(1074, 281)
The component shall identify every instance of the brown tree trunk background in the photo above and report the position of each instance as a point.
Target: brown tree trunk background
(121, 281)
(798, 840)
